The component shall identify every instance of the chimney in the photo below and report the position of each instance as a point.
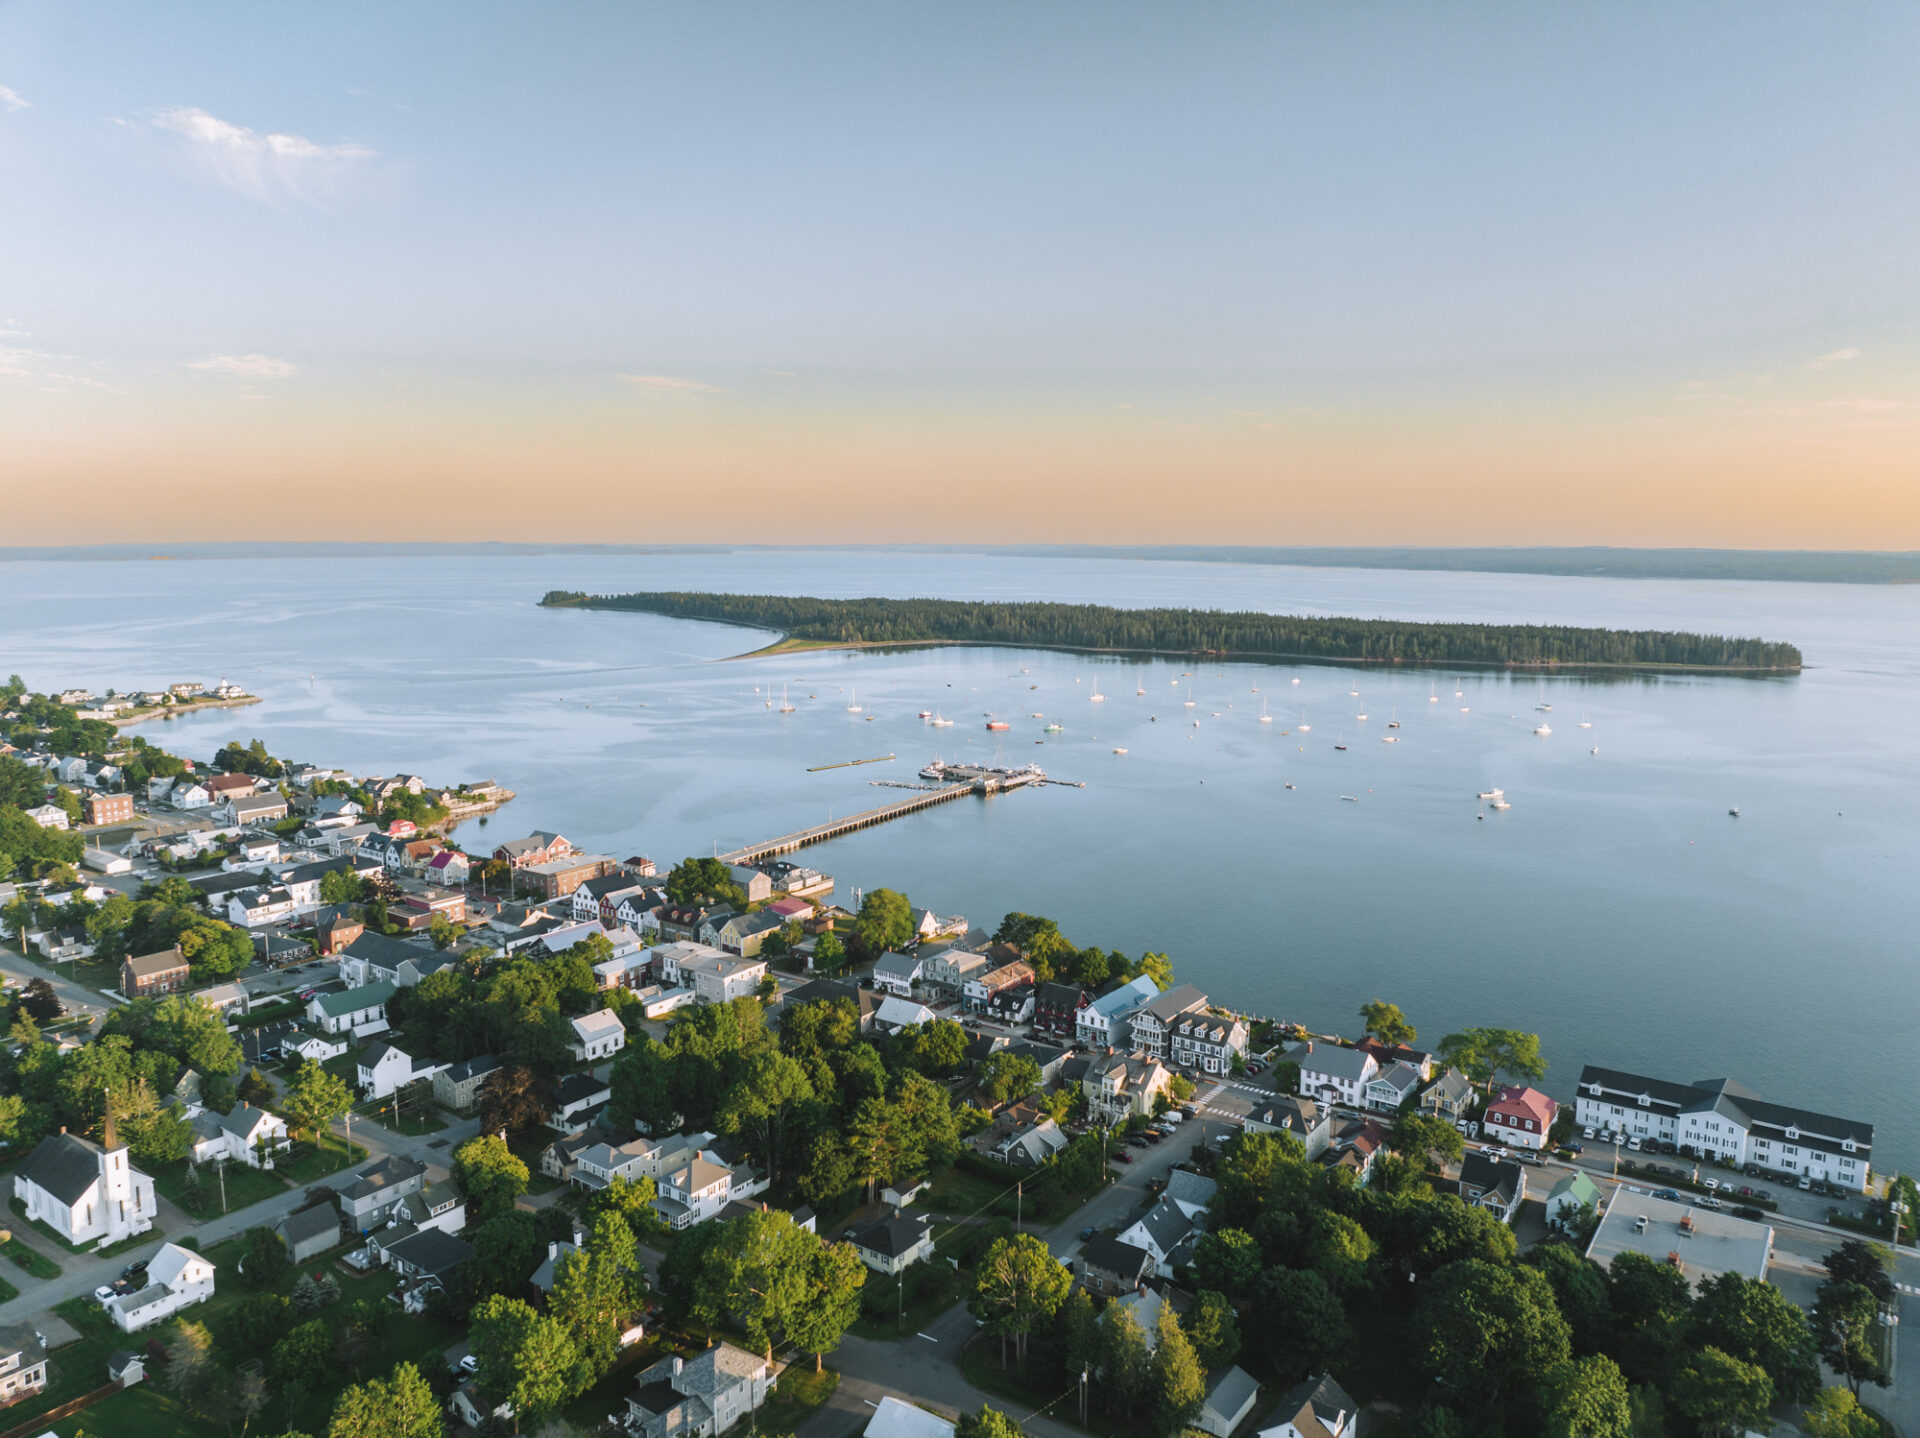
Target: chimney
(553, 1248)
(1309, 1045)
(579, 1238)
(678, 1366)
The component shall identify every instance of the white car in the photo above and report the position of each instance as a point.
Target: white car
(103, 1294)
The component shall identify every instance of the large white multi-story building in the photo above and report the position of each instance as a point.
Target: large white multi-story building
(1718, 1118)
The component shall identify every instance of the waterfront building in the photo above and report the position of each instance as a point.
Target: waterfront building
(1721, 1119)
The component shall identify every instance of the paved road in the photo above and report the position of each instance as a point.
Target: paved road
(81, 1275)
(922, 1368)
(78, 998)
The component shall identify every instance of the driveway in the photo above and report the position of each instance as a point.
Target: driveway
(81, 1275)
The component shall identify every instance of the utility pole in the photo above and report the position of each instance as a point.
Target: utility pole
(220, 1167)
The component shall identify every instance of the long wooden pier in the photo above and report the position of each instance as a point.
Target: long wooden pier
(865, 819)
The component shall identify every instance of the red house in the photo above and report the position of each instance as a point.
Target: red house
(1521, 1117)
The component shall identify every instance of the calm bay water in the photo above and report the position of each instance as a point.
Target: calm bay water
(1616, 908)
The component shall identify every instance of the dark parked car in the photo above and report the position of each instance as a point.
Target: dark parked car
(1123, 1157)
(1746, 1212)
(1086, 1233)
(1667, 1193)
(1571, 1148)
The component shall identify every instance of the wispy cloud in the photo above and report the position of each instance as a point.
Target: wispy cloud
(17, 363)
(669, 384)
(1832, 358)
(268, 168)
(12, 101)
(246, 366)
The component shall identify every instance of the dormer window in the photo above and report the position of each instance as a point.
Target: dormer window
(1847, 1144)
(1794, 1133)
(1594, 1089)
(1645, 1100)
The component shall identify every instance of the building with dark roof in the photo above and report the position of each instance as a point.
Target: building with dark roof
(1721, 1119)
(458, 1085)
(894, 1243)
(164, 972)
(1316, 1408)
(1111, 1265)
(1486, 1182)
(309, 1232)
(84, 1192)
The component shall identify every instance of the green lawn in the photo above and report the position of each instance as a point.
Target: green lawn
(956, 1192)
(797, 1394)
(30, 1258)
(928, 1296)
(412, 1123)
(146, 1411)
(245, 1185)
(307, 1164)
(271, 1014)
(7, 1291)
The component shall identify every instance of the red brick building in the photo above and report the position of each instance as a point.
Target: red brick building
(108, 808)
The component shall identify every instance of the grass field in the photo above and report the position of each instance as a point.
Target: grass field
(308, 1163)
(148, 1411)
(245, 1185)
(30, 1258)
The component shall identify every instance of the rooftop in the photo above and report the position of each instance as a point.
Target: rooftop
(1699, 1241)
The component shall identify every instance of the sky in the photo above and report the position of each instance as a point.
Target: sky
(1268, 273)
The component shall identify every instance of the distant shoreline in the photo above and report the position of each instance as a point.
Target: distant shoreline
(807, 622)
(789, 645)
(1773, 566)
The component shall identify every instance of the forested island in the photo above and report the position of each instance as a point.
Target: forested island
(808, 621)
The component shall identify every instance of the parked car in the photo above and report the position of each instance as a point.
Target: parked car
(1712, 1185)
(104, 1293)
(1753, 1215)
(1667, 1147)
(1136, 1142)
(1572, 1147)
(1586, 1133)
(1805, 1183)
(1671, 1195)
(1086, 1233)
(1256, 1067)
(1708, 1201)
(1633, 1145)
(306, 994)
(1123, 1157)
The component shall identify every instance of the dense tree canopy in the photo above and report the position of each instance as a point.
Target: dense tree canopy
(1193, 631)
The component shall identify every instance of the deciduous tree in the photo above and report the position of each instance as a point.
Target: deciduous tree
(1588, 1399)
(1721, 1395)
(1020, 1284)
(398, 1406)
(1387, 1024)
(491, 1174)
(526, 1358)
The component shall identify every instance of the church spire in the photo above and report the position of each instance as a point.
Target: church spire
(107, 1140)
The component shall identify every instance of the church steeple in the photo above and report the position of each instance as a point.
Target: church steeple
(107, 1139)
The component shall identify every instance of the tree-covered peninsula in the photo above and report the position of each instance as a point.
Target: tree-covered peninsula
(1195, 631)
